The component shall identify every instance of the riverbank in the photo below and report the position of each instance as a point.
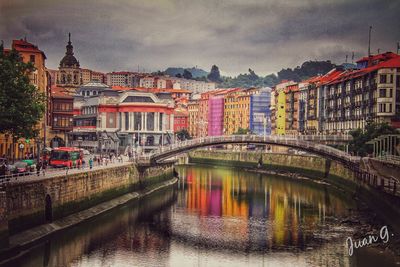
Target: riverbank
(20, 242)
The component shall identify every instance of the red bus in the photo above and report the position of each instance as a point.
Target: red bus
(66, 157)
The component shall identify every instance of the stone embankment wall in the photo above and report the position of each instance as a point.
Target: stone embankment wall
(39, 201)
(310, 164)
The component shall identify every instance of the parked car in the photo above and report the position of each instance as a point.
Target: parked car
(20, 168)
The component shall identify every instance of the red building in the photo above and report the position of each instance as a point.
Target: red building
(61, 115)
(181, 119)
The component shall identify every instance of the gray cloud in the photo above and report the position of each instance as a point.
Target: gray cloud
(235, 35)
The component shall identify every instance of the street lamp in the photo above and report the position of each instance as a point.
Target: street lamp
(101, 145)
(38, 142)
(80, 141)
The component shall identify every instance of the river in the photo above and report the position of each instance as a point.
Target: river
(217, 217)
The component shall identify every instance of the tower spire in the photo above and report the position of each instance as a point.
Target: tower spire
(69, 37)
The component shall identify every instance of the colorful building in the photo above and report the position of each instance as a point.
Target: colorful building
(216, 115)
(111, 120)
(39, 77)
(61, 116)
(193, 110)
(181, 119)
(260, 113)
(292, 109)
(355, 97)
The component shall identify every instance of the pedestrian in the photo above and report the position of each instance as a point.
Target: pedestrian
(83, 163)
(98, 161)
(38, 167)
(90, 163)
(44, 167)
(3, 169)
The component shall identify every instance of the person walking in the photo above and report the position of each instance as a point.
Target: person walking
(38, 167)
(44, 167)
(90, 163)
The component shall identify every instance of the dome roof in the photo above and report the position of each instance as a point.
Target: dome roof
(69, 60)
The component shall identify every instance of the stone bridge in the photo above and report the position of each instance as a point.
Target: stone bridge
(314, 144)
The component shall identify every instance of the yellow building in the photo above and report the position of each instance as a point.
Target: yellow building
(237, 111)
(193, 110)
(280, 107)
(28, 53)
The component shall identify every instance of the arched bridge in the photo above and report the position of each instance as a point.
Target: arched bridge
(311, 144)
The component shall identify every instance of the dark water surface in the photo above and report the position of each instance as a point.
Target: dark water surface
(216, 217)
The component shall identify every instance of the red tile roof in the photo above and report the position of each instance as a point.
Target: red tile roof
(394, 62)
(383, 56)
(24, 46)
(59, 92)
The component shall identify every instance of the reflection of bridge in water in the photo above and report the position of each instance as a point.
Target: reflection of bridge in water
(315, 144)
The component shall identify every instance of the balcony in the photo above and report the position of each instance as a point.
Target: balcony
(84, 143)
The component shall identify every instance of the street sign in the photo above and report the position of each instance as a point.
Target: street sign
(21, 146)
(27, 141)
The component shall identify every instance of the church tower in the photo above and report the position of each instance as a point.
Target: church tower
(69, 69)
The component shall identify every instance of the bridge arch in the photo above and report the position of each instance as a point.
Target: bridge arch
(303, 143)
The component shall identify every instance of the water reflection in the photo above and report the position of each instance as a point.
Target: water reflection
(216, 217)
(252, 210)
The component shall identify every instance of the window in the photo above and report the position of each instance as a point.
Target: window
(382, 78)
(391, 78)
(150, 121)
(398, 80)
(137, 116)
(126, 120)
(382, 92)
(32, 58)
(390, 92)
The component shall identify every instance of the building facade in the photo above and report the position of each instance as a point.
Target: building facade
(123, 78)
(181, 119)
(121, 121)
(39, 77)
(193, 111)
(260, 113)
(356, 97)
(61, 110)
(292, 109)
(216, 115)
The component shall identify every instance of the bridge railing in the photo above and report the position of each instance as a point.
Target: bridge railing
(301, 141)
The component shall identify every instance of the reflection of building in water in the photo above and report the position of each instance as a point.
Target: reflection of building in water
(284, 206)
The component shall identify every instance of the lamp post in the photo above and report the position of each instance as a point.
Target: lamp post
(101, 145)
(38, 142)
(80, 142)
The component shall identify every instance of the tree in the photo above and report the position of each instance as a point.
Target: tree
(183, 135)
(359, 146)
(21, 104)
(187, 74)
(178, 75)
(214, 74)
(243, 131)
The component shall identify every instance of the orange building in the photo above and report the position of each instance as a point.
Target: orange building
(193, 111)
(29, 53)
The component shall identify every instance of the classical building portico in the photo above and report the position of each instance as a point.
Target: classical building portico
(121, 120)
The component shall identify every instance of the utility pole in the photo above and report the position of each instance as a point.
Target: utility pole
(369, 41)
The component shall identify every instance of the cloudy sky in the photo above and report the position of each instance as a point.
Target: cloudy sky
(235, 35)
